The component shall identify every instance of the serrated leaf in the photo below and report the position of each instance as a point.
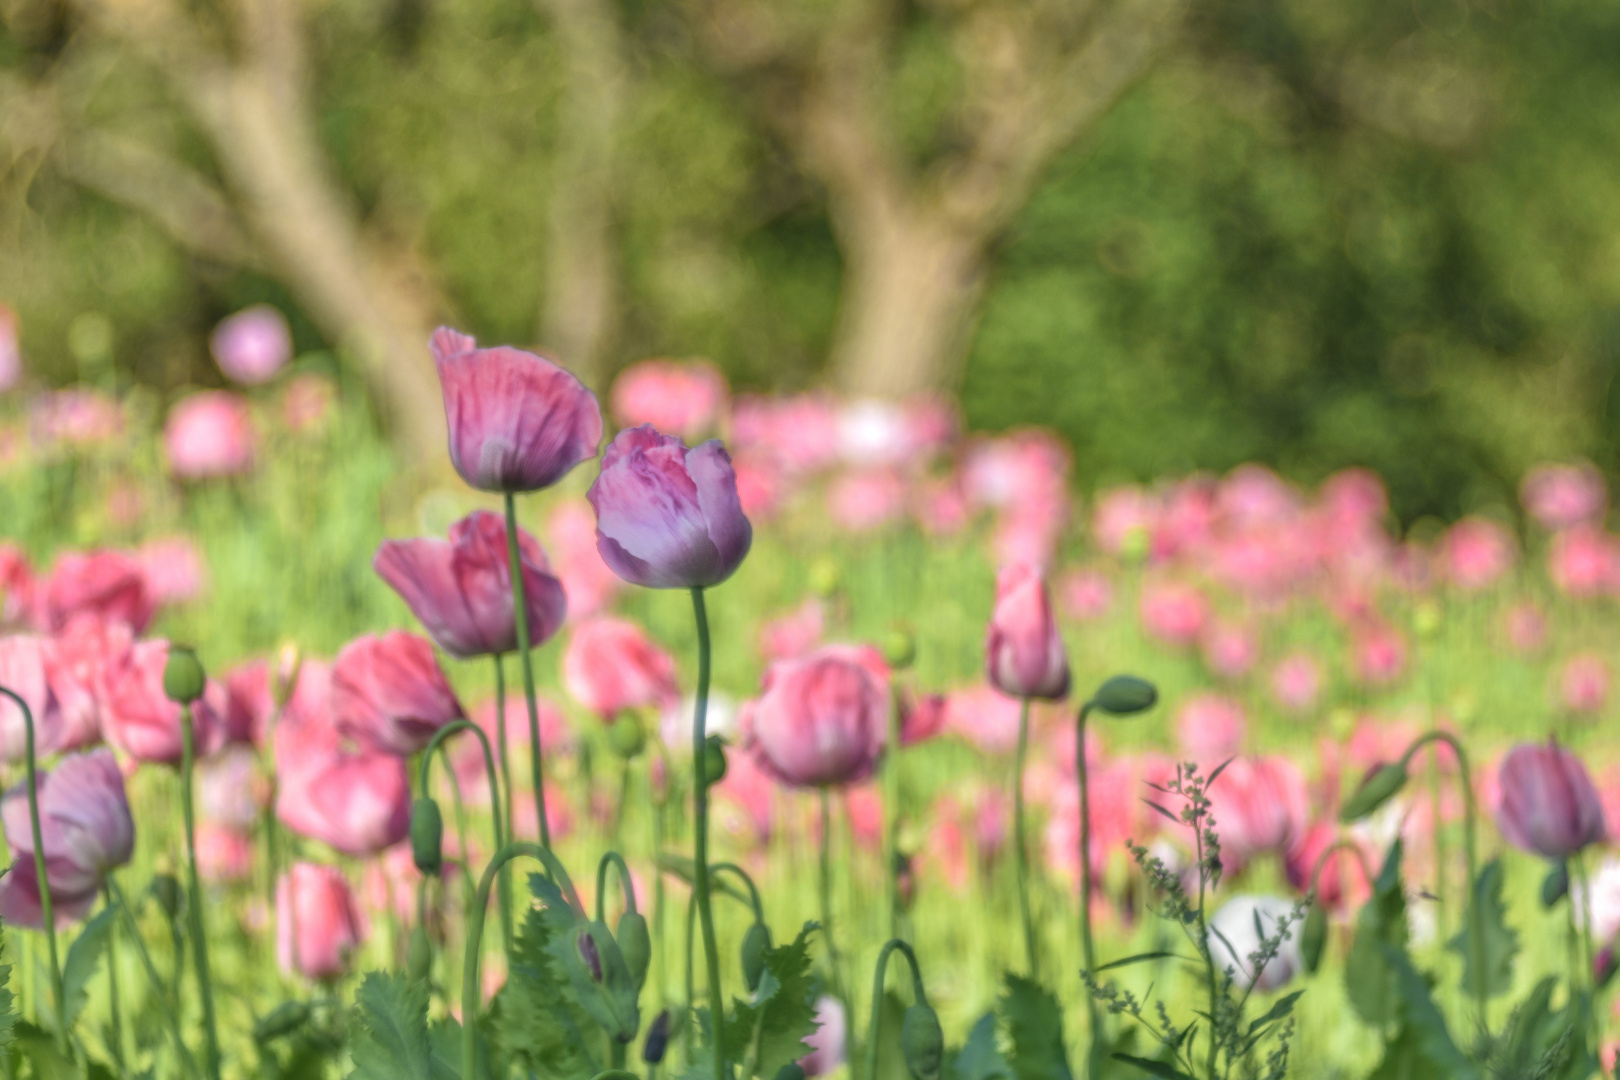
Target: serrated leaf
(786, 1004)
(1537, 1037)
(1487, 916)
(1423, 1017)
(8, 1009)
(393, 1043)
(980, 1058)
(1035, 1030)
(536, 1019)
(37, 1047)
(1153, 1068)
(83, 961)
(1368, 977)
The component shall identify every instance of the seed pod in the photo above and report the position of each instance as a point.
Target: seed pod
(183, 676)
(1555, 886)
(923, 1042)
(657, 1040)
(166, 890)
(627, 736)
(1380, 786)
(419, 955)
(756, 943)
(427, 836)
(714, 760)
(1313, 937)
(1125, 694)
(635, 942)
(284, 1019)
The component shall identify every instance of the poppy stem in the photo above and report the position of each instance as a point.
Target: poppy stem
(1088, 950)
(194, 898)
(875, 1026)
(626, 886)
(153, 978)
(520, 616)
(1020, 852)
(506, 785)
(437, 743)
(891, 813)
(834, 962)
(700, 830)
(47, 912)
(115, 1036)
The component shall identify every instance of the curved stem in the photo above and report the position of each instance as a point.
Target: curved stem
(194, 898)
(154, 979)
(1020, 852)
(47, 910)
(875, 1025)
(1332, 849)
(504, 894)
(700, 830)
(520, 617)
(625, 886)
(753, 890)
(470, 998)
(1476, 927)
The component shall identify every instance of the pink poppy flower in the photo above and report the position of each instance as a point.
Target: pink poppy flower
(684, 397)
(1563, 496)
(209, 434)
(251, 346)
(822, 718)
(611, 665)
(86, 829)
(318, 923)
(389, 693)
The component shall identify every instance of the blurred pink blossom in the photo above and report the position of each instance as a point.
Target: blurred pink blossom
(224, 854)
(1210, 728)
(761, 487)
(1354, 497)
(229, 791)
(1230, 649)
(1018, 471)
(1085, 594)
(174, 569)
(795, 633)
(1525, 627)
(137, 716)
(866, 499)
(611, 664)
(1377, 653)
(587, 581)
(11, 369)
(467, 753)
(209, 434)
(939, 506)
(318, 923)
(1476, 552)
(1583, 684)
(251, 346)
(750, 792)
(1584, 561)
(684, 398)
(1296, 682)
(984, 716)
(922, 716)
(77, 418)
(873, 432)
(307, 401)
(1561, 496)
(109, 584)
(1122, 518)
(1172, 612)
(798, 433)
(827, 1041)
(1260, 806)
(16, 586)
(1252, 496)
(22, 671)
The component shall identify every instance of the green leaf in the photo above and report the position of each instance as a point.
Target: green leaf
(1153, 1068)
(83, 961)
(1369, 979)
(1538, 1041)
(980, 1058)
(1035, 1029)
(1423, 1017)
(37, 1047)
(8, 1010)
(785, 1004)
(1140, 958)
(536, 1019)
(1487, 917)
(393, 1043)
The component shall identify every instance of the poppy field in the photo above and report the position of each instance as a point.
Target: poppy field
(696, 734)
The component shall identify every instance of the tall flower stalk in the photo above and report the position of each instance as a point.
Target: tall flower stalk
(700, 828)
(47, 911)
(1020, 848)
(520, 607)
(194, 897)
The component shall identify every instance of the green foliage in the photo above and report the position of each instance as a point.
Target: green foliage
(1487, 917)
(8, 1009)
(1540, 1043)
(82, 962)
(535, 1019)
(394, 1042)
(1034, 1023)
(770, 1031)
(1369, 980)
(980, 1058)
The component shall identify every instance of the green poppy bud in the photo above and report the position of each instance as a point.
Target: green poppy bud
(166, 890)
(791, 1071)
(714, 760)
(635, 942)
(183, 676)
(419, 955)
(427, 836)
(1381, 785)
(756, 943)
(1313, 937)
(825, 577)
(899, 648)
(627, 737)
(657, 1040)
(284, 1019)
(600, 977)
(1555, 886)
(923, 1042)
(1124, 695)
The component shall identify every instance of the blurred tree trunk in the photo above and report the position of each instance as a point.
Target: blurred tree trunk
(249, 99)
(917, 236)
(580, 311)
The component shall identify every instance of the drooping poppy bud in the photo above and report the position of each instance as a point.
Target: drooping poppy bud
(923, 1042)
(419, 955)
(183, 677)
(427, 836)
(635, 942)
(168, 894)
(1313, 937)
(1381, 785)
(601, 978)
(756, 943)
(714, 760)
(1123, 695)
(657, 1040)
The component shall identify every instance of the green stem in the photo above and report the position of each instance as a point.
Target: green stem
(613, 858)
(503, 893)
(1584, 885)
(520, 616)
(152, 977)
(505, 811)
(1088, 951)
(834, 962)
(47, 910)
(615, 1074)
(753, 890)
(116, 1035)
(194, 898)
(470, 998)
(875, 1026)
(1476, 925)
(891, 814)
(700, 829)
(1203, 944)
(1020, 851)
(656, 813)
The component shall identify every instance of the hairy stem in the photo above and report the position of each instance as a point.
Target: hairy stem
(520, 615)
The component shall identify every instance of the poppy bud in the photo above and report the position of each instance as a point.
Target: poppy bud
(589, 953)
(627, 737)
(714, 760)
(1555, 886)
(1313, 937)
(899, 648)
(427, 836)
(166, 890)
(419, 955)
(284, 1019)
(756, 943)
(1382, 783)
(601, 978)
(183, 677)
(791, 1071)
(636, 945)
(923, 1042)
(657, 1040)
(1125, 694)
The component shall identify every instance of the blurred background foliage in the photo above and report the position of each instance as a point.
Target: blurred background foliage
(1310, 234)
